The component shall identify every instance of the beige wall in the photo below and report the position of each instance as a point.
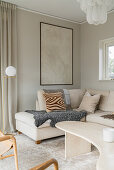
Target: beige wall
(89, 51)
(29, 56)
(85, 55)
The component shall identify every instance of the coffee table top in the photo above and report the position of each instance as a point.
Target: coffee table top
(93, 133)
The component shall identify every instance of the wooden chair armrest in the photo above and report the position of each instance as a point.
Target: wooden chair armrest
(46, 165)
(7, 137)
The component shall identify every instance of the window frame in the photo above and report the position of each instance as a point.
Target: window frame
(103, 58)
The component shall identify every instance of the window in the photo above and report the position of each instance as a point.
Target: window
(106, 59)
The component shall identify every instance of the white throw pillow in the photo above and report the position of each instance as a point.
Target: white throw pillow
(89, 102)
(41, 100)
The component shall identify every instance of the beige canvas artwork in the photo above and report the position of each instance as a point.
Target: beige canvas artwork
(56, 55)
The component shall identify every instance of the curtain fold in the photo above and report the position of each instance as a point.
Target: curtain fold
(8, 56)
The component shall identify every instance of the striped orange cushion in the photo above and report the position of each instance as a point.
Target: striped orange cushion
(54, 101)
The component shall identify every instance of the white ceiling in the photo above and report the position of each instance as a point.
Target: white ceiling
(65, 9)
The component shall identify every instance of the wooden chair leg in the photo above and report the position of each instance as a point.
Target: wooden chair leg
(19, 132)
(38, 142)
(15, 153)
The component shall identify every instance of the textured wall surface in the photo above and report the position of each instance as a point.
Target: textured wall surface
(56, 55)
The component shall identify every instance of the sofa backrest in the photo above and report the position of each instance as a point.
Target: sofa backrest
(76, 96)
(111, 102)
(37, 105)
(106, 101)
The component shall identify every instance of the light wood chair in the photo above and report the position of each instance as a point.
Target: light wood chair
(8, 142)
(46, 165)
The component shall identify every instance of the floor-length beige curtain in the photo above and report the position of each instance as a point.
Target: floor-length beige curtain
(8, 56)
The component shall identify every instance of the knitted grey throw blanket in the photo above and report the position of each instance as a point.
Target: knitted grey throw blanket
(56, 116)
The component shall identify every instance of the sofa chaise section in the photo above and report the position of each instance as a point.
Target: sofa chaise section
(25, 121)
(25, 124)
(98, 119)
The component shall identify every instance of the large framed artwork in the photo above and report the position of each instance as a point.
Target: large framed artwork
(56, 55)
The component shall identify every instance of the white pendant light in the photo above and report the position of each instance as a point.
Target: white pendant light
(96, 10)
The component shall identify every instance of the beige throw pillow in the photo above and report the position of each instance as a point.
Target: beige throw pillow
(89, 102)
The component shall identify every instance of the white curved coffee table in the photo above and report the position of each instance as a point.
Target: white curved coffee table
(78, 139)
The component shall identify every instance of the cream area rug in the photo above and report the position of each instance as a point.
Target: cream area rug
(31, 154)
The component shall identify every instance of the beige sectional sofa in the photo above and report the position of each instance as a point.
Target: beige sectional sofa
(25, 121)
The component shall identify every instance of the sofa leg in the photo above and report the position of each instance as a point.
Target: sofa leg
(38, 142)
(19, 132)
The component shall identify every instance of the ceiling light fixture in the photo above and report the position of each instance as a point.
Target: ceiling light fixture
(96, 10)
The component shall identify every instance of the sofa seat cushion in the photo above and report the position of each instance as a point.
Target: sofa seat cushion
(28, 118)
(96, 118)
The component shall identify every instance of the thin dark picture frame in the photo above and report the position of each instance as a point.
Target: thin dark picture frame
(41, 53)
